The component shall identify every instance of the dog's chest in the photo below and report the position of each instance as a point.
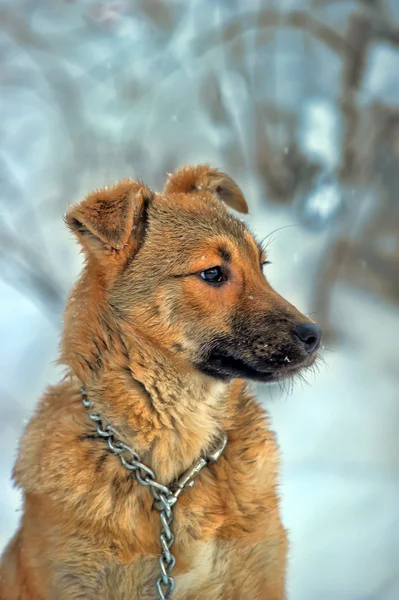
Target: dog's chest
(209, 519)
(208, 523)
(113, 580)
(138, 580)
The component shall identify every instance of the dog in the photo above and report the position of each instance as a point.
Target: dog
(169, 320)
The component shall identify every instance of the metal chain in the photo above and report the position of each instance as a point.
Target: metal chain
(164, 497)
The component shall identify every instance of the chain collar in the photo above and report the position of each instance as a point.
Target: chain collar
(165, 497)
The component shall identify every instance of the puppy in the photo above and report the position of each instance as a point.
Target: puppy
(170, 317)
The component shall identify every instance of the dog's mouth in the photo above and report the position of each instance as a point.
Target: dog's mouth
(226, 366)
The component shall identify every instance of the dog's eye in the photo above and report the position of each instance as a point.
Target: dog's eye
(213, 275)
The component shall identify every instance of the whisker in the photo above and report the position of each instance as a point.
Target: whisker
(328, 349)
(263, 240)
(321, 360)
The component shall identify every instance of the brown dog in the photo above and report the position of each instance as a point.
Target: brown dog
(171, 315)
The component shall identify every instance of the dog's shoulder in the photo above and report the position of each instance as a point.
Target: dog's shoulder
(49, 434)
(64, 468)
(246, 475)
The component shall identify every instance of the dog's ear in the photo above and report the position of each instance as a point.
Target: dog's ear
(110, 218)
(190, 179)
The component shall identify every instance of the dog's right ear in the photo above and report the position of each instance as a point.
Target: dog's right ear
(196, 178)
(110, 220)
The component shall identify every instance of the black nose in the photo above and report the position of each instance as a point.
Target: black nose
(309, 335)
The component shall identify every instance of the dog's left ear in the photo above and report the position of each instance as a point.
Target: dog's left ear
(110, 219)
(190, 179)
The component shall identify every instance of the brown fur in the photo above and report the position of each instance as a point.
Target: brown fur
(139, 324)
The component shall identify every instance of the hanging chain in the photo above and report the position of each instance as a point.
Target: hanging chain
(164, 497)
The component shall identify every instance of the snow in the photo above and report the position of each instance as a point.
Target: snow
(320, 131)
(379, 85)
(321, 203)
(340, 446)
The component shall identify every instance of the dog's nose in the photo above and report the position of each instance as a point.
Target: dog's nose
(309, 334)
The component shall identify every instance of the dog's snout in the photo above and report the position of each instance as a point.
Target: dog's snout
(309, 334)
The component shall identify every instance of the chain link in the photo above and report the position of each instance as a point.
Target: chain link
(164, 497)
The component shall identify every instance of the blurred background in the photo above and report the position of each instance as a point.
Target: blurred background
(299, 101)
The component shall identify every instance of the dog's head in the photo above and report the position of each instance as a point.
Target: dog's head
(188, 276)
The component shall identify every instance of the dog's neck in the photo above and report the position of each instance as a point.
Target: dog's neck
(166, 410)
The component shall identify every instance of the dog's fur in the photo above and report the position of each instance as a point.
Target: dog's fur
(164, 356)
